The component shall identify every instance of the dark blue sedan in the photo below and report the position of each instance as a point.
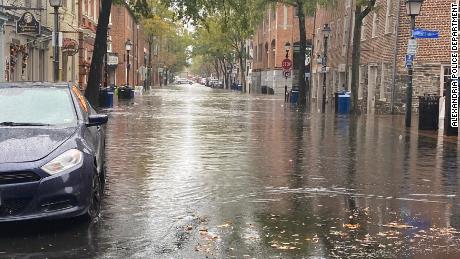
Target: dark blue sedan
(51, 152)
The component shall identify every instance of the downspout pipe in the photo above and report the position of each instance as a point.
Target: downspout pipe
(395, 57)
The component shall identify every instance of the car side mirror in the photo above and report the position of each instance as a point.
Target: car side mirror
(97, 120)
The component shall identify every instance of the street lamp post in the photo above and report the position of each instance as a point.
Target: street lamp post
(287, 47)
(129, 47)
(56, 4)
(413, 8)
(326, 33)
(106, 67)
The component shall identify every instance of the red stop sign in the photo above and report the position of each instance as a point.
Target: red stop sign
(286, 64)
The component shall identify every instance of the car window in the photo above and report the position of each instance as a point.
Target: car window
(81, 101)
(37, 105)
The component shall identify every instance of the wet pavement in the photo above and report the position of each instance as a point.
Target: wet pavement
(195, 173)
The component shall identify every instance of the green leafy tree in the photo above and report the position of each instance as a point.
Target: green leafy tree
(215, 47)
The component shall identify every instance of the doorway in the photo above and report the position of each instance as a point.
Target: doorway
(372, 83)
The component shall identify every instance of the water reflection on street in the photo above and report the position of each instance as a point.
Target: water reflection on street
(196, 172)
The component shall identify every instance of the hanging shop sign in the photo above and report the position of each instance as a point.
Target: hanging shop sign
(27, 24)
(70, 47)
(112, 59)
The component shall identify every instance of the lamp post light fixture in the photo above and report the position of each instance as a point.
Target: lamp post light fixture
(56, 4)
(287, 47)
(326, 33)
(128, 47)
(413, 8)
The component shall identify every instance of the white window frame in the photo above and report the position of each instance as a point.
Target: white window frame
(389, 17)
(375, 25)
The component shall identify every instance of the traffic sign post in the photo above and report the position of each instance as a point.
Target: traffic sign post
(410, 60)
(286, 64)
(287, 73)
(412, 47)
(425, 34)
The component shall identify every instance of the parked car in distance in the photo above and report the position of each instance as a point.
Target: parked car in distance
(52, 145)
(183, 81)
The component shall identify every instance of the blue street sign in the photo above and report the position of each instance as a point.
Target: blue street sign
(410, 60)
(425, 34)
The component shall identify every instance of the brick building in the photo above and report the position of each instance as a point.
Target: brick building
(29, 56)
(279, 26)
(88, 11)
(385, 33)
(125, 27)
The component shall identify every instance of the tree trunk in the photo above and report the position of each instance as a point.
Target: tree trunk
(355, 59)
(216, 64)
(100, 49)
(149, 68)
(242, 67)
(303, 91)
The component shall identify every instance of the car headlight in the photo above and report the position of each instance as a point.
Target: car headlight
(67, 160)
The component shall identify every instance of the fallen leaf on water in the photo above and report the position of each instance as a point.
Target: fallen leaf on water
(351, 226)
(224, 226)
(396, 225)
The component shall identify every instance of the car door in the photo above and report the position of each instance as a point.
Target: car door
(94, 136)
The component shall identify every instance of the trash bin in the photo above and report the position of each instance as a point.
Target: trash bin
(270, 91)
(263, 89)
(125, 92)
(106, 97)
(336, 101)
(344, 103)
(428, 112)
(294, 96)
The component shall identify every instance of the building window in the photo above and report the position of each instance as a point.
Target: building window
(331, 40)
(447, 80)
(363, 26)
(83, 7)
(273, 13)
(337, 33)
(388, 18)
(28, 3)
(375, 25)
(344, 35)
(285, 22)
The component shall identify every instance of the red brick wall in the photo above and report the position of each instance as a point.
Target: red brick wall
(274, 30)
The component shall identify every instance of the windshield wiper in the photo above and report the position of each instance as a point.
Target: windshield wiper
(19, 124)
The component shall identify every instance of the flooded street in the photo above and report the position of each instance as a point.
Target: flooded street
(195, 173)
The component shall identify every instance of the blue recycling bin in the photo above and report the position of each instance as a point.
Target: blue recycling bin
(106, 97)
(344, 103)
(294, 96)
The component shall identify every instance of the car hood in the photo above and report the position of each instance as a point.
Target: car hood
(27, 144)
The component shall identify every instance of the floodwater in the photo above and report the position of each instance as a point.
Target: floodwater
(201, 173)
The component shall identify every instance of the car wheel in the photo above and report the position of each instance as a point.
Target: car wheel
(94, 208)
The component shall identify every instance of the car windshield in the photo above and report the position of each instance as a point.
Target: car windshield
(36, 106)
